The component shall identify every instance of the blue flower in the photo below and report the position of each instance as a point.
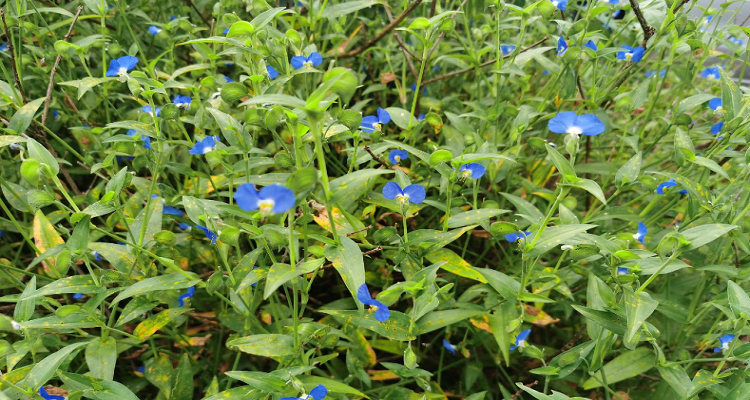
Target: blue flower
(172, 18)
(204, 146)
(641, 233)
(2, 233)
(514, 237)
(562, 46)
(521, 339)
(736, 40)
(414, 88)
(619, 14)
(122, 159)
(182, 101)
(169, 210)
(145, 139)
(724, 340)
(78, 296)
(716, 105)
(184, 227)
(272, 73)
(226, 30)
(372, 123)
(121, 66)
(140, 371)
(449, 347)
(271, 199)
(613, 2)
(96, 255)
(190, 293)
(3, 46)
(47, 396)
(591, 45)
(313, 59)
(507, 48)
(631, 54)
(148, 110)
(716, 129)
(410, 194)
(665, 185)
(318, 393)
(56, 114)
(397, 155)
(212, 236)
(574, 124)
(154, 30)
(421, 117)
(623, 271)
(560, 4)
(472, 170)
(382, 313)
(711, 73)
(651, 73)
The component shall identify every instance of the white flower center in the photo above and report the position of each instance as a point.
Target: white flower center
(628, 56)
(122, 71)
(574, 130)
(555, 3)
(397, 158)
(725, 346)
(16, 326)
(376, 126)
(466, 173)
(207, 149)
(308, 63)
(266, 206)
(403, 198)
(566, 247)
(637, 236)
(521, 343)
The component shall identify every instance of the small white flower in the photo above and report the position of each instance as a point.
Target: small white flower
(566, 247)
(16, 326)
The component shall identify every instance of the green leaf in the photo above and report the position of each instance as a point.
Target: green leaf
(354, 185)
(260, 380)
(694, 101)
(638, 307)
(440, 156)
(101, 356)
(555, 236)
(172, 282)
(41, 153)
(677, 378)
(739, 301)
(499, 320)
(152, 211)
(712, 165)
(134, 309)
(396, 328)
(280, 274)
(524, 207)
(264, 345)
(705, 234)
(231, 129)
(23, 117)
(341, 9)
(333, 386)
(503, 284)
(639, 94)
(473, 217)
(439, 319)
(606, 319)
(7, 140)
(627, 365)
(562, 164)
(348, 261)
(71, 284)
(280, 99)
(731, 98)
(589, 186)
(629, 172)
(154, 323)
(266, 17)
(182, 380)
(85, 84)
(99, 389)
(453, 263)
(45, 369)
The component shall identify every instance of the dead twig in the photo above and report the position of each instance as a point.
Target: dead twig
(368, 227)
(407, 54)
(374, 157)
(200, 14)
(382, 33)
(12, 52)
(484, 64)
(51, 84)
(648, 30)
(518, 393)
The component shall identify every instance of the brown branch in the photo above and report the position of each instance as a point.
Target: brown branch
(484, 64)
(518, 393)
(200, 14)
(382, 33)
(407, 54)
(688, 1)
(51, 84)
(374, 157)
(11, 51)
(368, 227)
(648, 30)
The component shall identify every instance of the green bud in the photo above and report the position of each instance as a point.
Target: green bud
(255, 117)
(447, 25)
(572, 55)
(352, 119)
(170, 111)
(283, 160)
(577, 27)
(62, 263)
(67, 310)
(208, 82)
(166, 237)
(410, 359)
(39, 198)
(683, 119)
(294, 37)
(230, 235)
(232, 92)
(317, 251)
(273, 117)
(114, 50)
(537, 143)
(30, 170)
(546, 9)
(214, 283)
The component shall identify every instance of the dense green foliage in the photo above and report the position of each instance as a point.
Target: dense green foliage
(199, 199)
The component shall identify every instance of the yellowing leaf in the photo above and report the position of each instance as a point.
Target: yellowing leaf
(382, 375)
(45, 237)
(455, 264)
(147, 328)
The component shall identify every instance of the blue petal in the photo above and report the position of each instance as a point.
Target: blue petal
(283, 198)
(416, 193)
(591, 45)
(190, 293)
(43, 393)
(523, 335)
(154, 30)
(449, 347)
(183, 226)
(212, 236)
(204, 146)
(383, 313)
(383, 116)
(272, 73)
(78, 296)
(129, 62)
(114, 68)
(642, 230)
(638, 54)
(512, 237)
(396, 156)
(562, 121)
(716, 129)
(363, 295)
(319, 392)
(169, 210)
(562, 46)
(131, 132)
(590, 124)
(665, 185)
(715, 103)
(726, 338)
(315, 58)
(391, 190)
(246, 197)
(477, 170)
(298, 62)
(623, 270)
(368, 123)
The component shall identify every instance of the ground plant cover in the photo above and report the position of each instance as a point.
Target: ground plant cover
(362, 199)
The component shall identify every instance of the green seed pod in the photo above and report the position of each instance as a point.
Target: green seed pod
(352, 119)
(215, 282)
(62, 263)
(273, 117)
(30, 170)
(283, 160)
(114, 50)
(572, 55)
(233, 91)
(546, 9)
(683, 119)
(170, 111)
